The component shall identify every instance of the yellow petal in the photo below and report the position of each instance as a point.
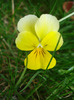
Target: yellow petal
(50, 41)
(27, 23)
(39, 59)
(26, 41)
(45, 24)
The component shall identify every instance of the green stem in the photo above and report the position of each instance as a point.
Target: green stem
(66, 17)
(21, 77)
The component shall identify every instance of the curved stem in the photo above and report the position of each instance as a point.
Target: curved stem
(21, 77)
(66, 17)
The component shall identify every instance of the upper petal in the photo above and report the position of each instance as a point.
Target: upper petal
(50, 41)
(27, 23)
(39, 59)
(45, 24)
(26, 41)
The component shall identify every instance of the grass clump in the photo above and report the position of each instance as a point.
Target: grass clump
(55, 84)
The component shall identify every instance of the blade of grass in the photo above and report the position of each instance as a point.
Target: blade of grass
(20, 97)
(66, 17)
(8, 46)
(35, 89)
(54, 52)
(53, 7)
(31, 80)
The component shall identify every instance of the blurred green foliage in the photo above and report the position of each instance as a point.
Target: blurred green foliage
(55, 84)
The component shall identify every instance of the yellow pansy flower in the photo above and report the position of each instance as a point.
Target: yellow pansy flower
(38, 34)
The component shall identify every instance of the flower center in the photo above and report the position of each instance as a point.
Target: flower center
(39, 46)
(39, 52)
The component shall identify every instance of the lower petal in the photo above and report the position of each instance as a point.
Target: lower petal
(39, 59)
